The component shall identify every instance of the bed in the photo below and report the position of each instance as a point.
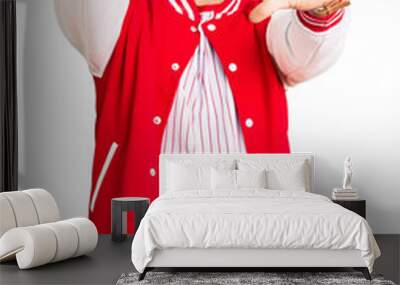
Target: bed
(246, 211)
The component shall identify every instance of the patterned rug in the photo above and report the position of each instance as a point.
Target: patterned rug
(244, 278)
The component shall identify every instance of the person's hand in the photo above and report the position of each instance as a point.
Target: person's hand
(318, 7)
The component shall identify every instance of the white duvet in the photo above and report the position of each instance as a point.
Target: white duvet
(251, 218)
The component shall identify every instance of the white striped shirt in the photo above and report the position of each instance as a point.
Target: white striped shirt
(203, 116)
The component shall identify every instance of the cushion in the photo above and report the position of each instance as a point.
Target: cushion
(45, 205)
(223, 179)
(281, 174)
(251, 178)
(292, 178)
(7, 220)
(67, 237)
(23, 208)
(87, 234)
(237, 179)
(184, 174)
(185, 177)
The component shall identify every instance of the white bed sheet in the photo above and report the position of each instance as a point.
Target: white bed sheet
(250, 218)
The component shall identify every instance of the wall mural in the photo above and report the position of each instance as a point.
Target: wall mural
(193, 76)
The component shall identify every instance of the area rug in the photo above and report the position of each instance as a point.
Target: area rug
(236, 278)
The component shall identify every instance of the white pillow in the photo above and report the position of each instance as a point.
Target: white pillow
(193, 173)
(237, 179)
(251, 178)
(292, 179)
(285, 174)
(185, 177)
(223, 179)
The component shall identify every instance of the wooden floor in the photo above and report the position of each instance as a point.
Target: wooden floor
(110, 260)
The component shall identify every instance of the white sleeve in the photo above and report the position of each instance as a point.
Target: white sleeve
(300, 52)
(92, 27)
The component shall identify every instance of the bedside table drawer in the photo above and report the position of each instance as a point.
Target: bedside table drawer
(356, 206)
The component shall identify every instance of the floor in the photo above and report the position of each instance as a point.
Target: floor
(103, 266)
(110, 260)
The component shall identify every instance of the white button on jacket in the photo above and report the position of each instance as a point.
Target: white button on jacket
(157, 120)
(249, 123)
(152, 172)
(211, 27)
(232, 67)
(175, 66)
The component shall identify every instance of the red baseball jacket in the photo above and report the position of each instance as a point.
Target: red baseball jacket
(138, 82)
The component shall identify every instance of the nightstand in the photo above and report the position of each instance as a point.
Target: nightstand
(119, 207)
(357, 206)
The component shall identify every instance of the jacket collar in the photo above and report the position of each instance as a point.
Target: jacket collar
(189, 9)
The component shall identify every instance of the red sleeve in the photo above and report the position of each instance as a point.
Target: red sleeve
(320, 24)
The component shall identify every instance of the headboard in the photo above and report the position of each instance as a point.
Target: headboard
(210, 158)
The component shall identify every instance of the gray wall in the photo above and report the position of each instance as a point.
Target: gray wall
(351, 110)
(56, 110)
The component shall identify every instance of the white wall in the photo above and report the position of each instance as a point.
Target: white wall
(351, 110)
(354, 110)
